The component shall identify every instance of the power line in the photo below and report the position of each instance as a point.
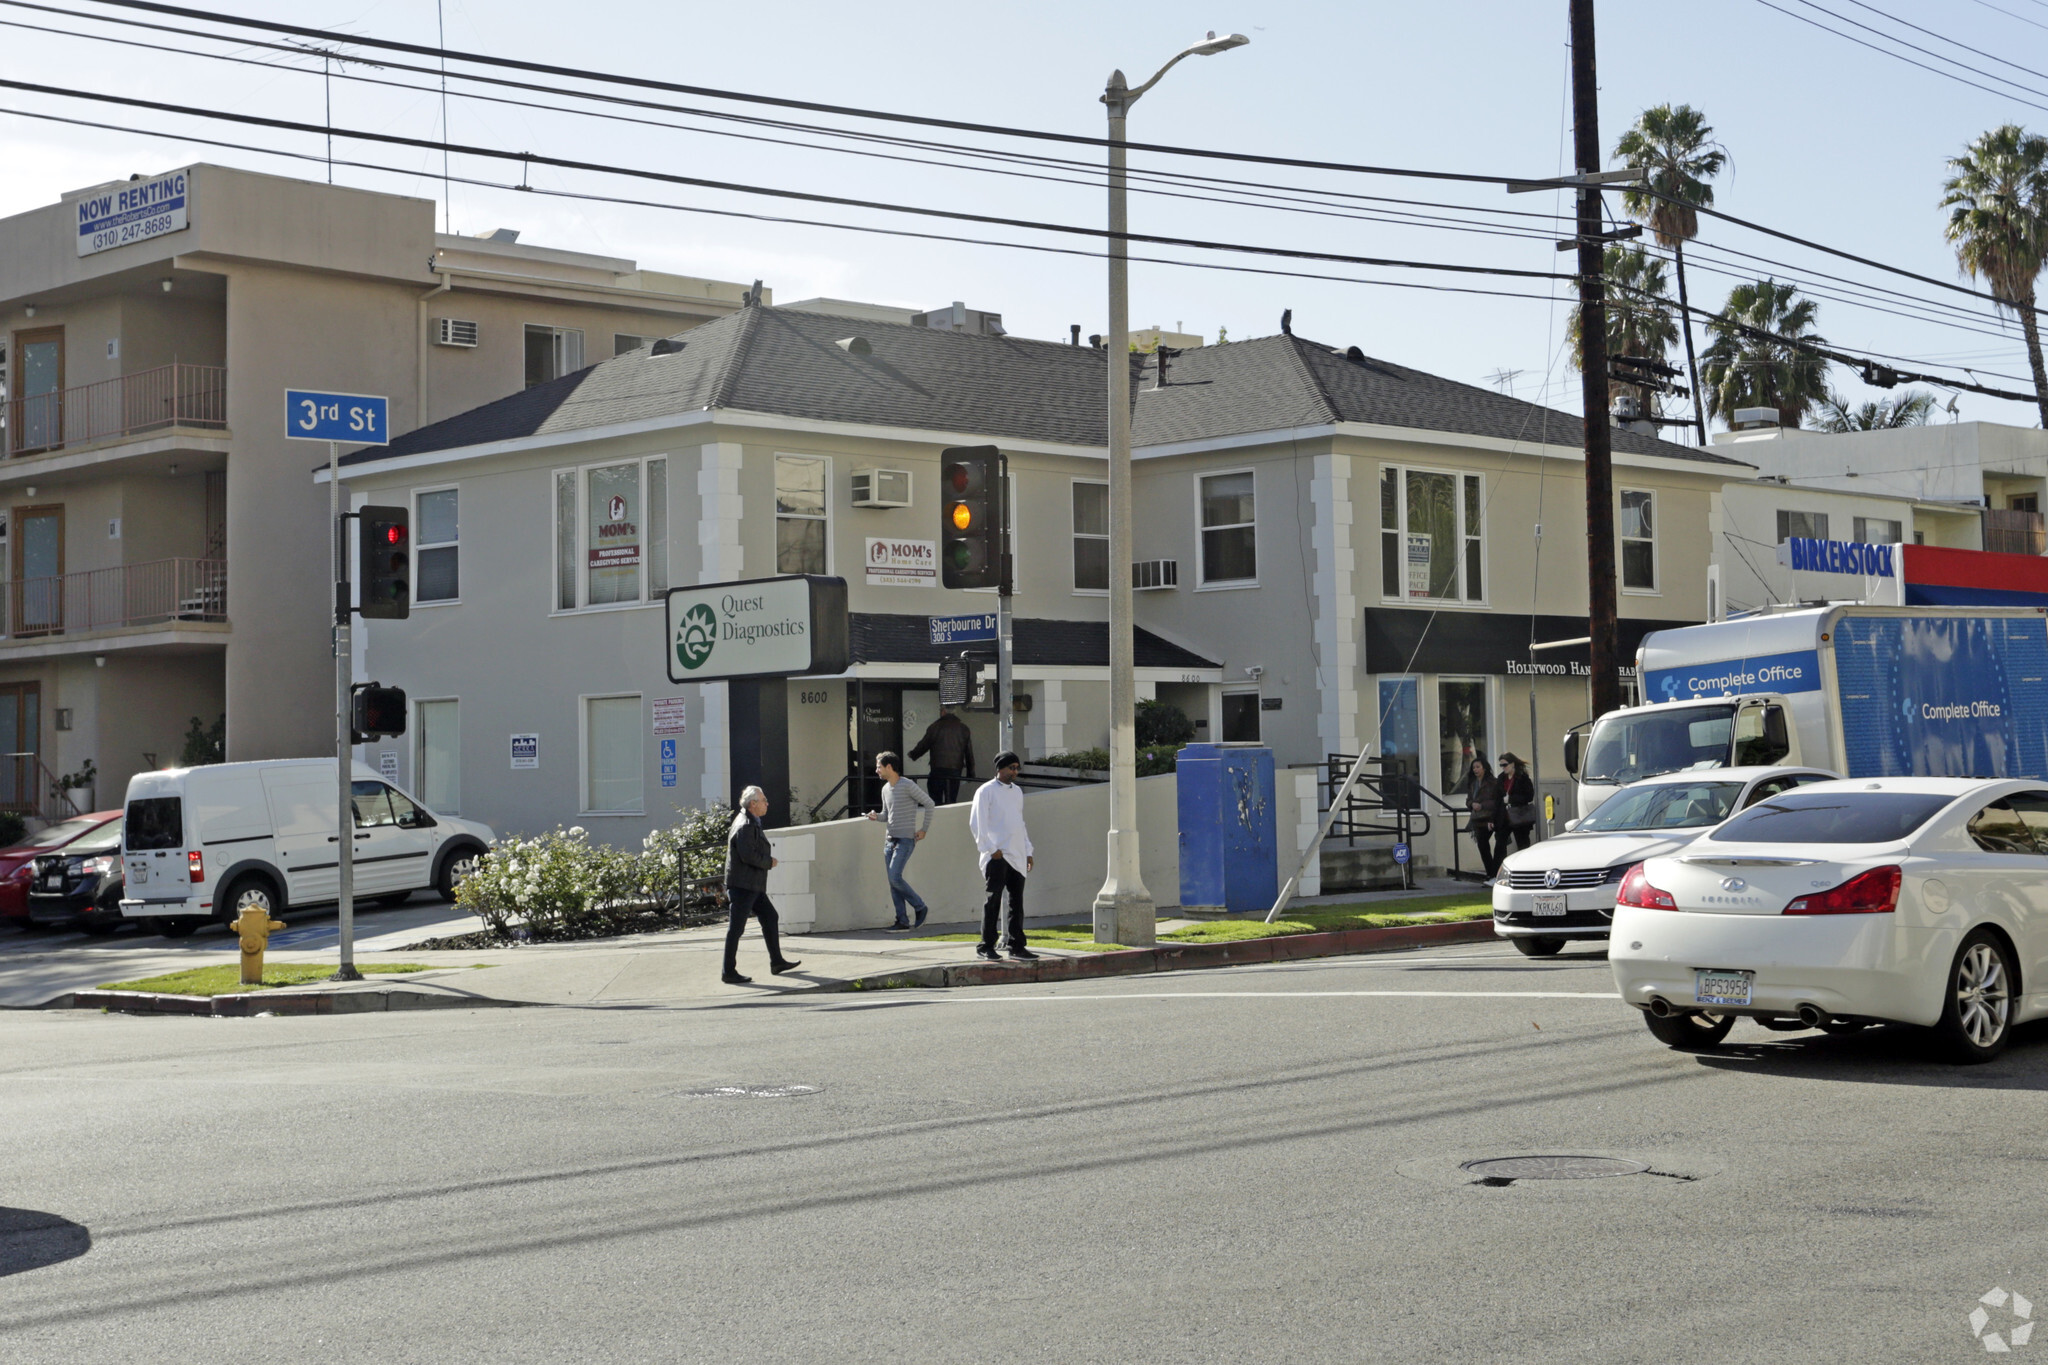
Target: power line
(1897, 56)
(1988, 75)
(1944, 38)
(563, 163)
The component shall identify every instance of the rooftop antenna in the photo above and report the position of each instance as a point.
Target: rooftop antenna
(441, 31)
(1504, 380)
(328, 56)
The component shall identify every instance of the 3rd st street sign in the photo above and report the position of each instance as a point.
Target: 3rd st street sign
(788, 627)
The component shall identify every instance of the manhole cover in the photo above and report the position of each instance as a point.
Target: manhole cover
(752, 1092)
(1505, 1168)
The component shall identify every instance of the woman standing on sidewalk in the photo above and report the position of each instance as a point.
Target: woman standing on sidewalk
(748, 858)
(1488, 826)
(1518, 803)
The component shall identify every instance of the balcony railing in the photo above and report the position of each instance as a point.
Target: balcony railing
(155, 593)
(2013, 532)
(167, 396)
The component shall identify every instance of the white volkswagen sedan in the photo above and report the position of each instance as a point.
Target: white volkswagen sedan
(1563, 888)
(1910, 900)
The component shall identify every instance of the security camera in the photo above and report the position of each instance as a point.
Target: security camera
(1255, 672)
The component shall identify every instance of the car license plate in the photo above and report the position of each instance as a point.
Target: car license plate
(1551, 903)
(139, 874)
(1711, 987)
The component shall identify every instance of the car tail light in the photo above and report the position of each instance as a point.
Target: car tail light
(1875, 892)
(195, 862)
(1637, 890)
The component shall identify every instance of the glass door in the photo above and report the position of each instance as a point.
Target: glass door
(1461, 715)
(38, 416)
(20, 744)
(877, 725)
(38, 541)
(1400, 743)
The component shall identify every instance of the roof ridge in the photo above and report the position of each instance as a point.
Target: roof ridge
(1330, 408)
(736, 357)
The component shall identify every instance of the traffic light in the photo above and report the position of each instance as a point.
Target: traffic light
(376, 711)
(971, 542)
(384, 562)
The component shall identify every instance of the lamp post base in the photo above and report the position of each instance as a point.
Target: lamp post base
(1124, 912)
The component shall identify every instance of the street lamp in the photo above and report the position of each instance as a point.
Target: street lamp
(1123, 907)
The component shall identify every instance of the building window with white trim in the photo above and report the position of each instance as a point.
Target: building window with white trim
(1802, 526)
(1230, 553)
(1091, 536)
(1638, 527)
(612, 514)
(611, 534)
(436, 573)
(437, 755)
(1879, 531)
(1432, 535)
(552, 352)
(800, 514)
(612, 762)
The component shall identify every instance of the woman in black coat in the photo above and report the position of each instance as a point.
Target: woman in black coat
(1518, 800)
(748, 857)
(1489, 819)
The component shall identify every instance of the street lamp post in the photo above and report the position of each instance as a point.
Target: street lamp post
(1123, 907)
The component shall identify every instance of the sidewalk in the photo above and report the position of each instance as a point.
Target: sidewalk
(673, 967)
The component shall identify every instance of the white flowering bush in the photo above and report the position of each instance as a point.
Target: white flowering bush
(561, 885)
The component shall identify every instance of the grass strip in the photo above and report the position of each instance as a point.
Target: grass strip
(1383, 914)
(226, 978)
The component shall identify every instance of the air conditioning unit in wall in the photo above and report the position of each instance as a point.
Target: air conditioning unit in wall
(881, 488)
(454, 332)
(1154, 575)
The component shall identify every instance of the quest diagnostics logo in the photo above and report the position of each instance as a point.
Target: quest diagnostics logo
(2002, 1321)
(696, 636)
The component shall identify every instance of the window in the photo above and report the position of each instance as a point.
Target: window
(1665, 805)
(372, 801)
(1400, 743)
(1878, 531)
(2024, 502)
(611, 754)
(622, 343)
(800, 514)
(435, 574)
(437, 755)
(1998, 829)
(1432, 535)
(1229, 539)
(1091, 537)
(611, 524)
(1638, 541)
(2033, 812)
(1834, 817)
(552, 352)
(1461, 731)
(1241, 717)
(1803, 525)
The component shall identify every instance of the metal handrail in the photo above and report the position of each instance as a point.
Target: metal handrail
(158, 591)
(166, 396)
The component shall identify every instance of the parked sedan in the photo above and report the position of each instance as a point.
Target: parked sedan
(80, 884)
(1897, 900)
(17, 863)
(1563, 888)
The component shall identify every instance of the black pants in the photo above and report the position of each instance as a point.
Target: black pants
(757, 904)
(1493, 845)
(943, 786)
(1521, 835)
(1000, 877)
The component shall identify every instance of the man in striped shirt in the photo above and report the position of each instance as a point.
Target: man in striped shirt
(906, 814)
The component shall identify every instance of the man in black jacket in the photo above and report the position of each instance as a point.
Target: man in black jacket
(748, 856)
(951, 745)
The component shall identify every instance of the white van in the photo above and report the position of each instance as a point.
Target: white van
(205, 843)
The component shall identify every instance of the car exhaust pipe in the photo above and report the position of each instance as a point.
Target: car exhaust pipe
(1661, 1007)
(1813, 1016)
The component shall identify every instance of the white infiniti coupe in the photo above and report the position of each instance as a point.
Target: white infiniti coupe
(1910, 900)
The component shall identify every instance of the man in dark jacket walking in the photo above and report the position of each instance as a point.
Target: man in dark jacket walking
(951, 745)
(748, 857)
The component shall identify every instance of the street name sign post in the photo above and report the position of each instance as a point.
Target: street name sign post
(950, 630)
(360, 419)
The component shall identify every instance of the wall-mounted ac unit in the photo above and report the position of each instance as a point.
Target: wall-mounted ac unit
(881, 488)
(454, 332)
(1153, 575)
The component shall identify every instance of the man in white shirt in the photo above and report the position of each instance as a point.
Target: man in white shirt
(997, 821)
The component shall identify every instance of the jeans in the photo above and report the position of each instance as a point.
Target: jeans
(894, 858)
(757, 904)
(999, 877)
(943, 786)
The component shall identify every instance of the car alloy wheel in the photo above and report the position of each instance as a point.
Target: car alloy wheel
(254, 896)
(1976, 1018)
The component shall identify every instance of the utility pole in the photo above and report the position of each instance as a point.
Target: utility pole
(1605, 684)
(344, 844)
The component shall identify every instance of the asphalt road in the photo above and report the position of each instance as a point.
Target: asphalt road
(1252, 1164)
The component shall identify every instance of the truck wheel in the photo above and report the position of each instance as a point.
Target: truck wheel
(1538, 947)
(454, 868)
(1690, 1032)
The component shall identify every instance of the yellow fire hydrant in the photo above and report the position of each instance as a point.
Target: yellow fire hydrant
(254, 928)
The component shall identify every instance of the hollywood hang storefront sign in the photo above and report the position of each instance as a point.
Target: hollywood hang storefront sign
(1843, 571)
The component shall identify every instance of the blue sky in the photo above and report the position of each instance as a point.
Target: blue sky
(1828, 140)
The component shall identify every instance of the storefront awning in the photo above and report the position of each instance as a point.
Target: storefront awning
(880, 637)
(1413, 640)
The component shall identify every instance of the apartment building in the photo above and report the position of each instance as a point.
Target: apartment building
(167, 556)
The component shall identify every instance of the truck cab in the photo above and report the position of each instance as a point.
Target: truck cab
(1605, 755)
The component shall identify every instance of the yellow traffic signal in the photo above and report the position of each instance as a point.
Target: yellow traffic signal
(963, 516)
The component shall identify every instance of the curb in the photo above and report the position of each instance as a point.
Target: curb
(249, 1005)
(1176, 957)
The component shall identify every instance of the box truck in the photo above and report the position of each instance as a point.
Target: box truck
(1867, 691)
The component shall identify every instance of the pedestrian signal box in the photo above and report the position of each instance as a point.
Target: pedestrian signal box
(972, 547)
(377, 711)
(957, 681)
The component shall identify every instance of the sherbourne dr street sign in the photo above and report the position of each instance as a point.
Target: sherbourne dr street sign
(789, 627)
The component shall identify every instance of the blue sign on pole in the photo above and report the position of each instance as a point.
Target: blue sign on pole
(351, 418)
(947, 630)
(1401, 853)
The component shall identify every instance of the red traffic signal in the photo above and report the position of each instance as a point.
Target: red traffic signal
(384, 564)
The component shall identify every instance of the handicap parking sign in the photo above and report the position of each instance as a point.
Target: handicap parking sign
(668, 751)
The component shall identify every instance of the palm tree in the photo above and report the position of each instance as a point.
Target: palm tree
(1639, 321)
(1887, 414)
(1997, 200)
(1752, 363)
(1675, 144)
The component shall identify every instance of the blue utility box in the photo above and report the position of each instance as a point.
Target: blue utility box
(1229, 854)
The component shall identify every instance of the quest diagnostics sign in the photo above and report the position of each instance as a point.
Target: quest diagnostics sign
(789, 627)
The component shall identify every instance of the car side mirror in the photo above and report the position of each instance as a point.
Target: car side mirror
(1571, 753)
(1570, 825)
